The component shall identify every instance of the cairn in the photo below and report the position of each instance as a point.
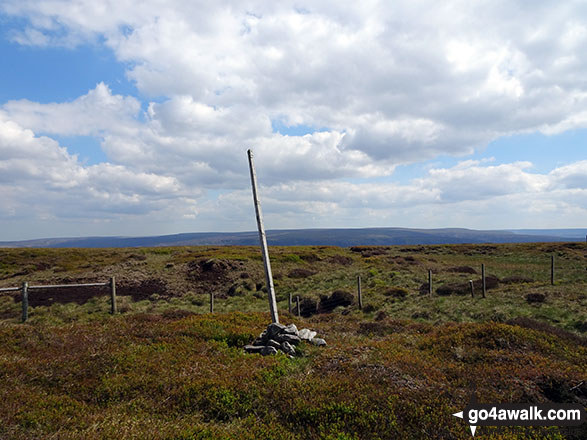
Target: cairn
(284, 338)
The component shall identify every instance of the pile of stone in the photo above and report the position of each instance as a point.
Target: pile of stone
(278, 337)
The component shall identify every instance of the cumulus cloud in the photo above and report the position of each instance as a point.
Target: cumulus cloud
(470, 180)
(95, 113)
(39, 175)
(401, 78)
(573, 176)
(385, 84)
(195, 142)
(471, 192)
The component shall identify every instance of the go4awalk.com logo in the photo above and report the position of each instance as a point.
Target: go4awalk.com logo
(522, 414)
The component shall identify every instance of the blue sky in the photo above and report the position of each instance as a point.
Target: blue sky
(135, 119)
(56, 74)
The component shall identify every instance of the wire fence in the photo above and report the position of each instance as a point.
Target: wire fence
(349, 296)
(25, 288)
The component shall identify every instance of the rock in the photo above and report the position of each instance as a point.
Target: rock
(318, 341)
(268, 351)
(284, 337)
(263, 336)
(273, 343)
(279, 337)
(254, 348)
(274, 329)
(287, 348)
(259, 342)
(306, 334)
(291, 330)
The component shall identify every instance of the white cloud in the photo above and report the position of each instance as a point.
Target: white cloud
(491, 196)
(40, 176)
(94, 113)
(354, 68)
(573, 176)
(470, 181)
(386, 84)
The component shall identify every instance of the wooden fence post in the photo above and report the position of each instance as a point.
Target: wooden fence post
(359, 294)
(113, 308)
(429, 281)
(211, 301)
(289, 303)
(472, 289)
(552, 270)
(25, 301)
(298, 305)
(483, 280)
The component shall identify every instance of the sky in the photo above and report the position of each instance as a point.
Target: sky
(131, 118)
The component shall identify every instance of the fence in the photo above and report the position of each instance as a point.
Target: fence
(483, 283)
(295, 303)
(25, 288)
(476, 288)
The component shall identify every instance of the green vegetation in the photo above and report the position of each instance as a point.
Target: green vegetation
(149, 376)
(394, 281)
(164, 368)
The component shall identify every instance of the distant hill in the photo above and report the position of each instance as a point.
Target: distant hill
(330, 237)
(572, 234)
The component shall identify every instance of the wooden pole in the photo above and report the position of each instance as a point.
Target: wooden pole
(263, 240)
(552, 270)
(429, 282)
(298, 305)
(472, 289)
(113, 308)
(483, 280)
(359, 293)
(289, 303)
(211, 301)
(25, 301)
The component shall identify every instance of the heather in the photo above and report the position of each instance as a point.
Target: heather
(165, 368)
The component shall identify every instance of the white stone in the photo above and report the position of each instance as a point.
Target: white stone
(306, 334)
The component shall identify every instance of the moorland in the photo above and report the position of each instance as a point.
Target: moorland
(164, 367)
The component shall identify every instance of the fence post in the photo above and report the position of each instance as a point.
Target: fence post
(429, 281)
(359, 294)
(25, 301)
(552, 270)
(472, 289)
(113, 308)
(211, 301)
(289, 303)
(298, 305)
(483, 280)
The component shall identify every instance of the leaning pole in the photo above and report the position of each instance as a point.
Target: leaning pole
(263, 240)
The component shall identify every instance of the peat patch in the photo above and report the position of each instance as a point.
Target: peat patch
(137, 290)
